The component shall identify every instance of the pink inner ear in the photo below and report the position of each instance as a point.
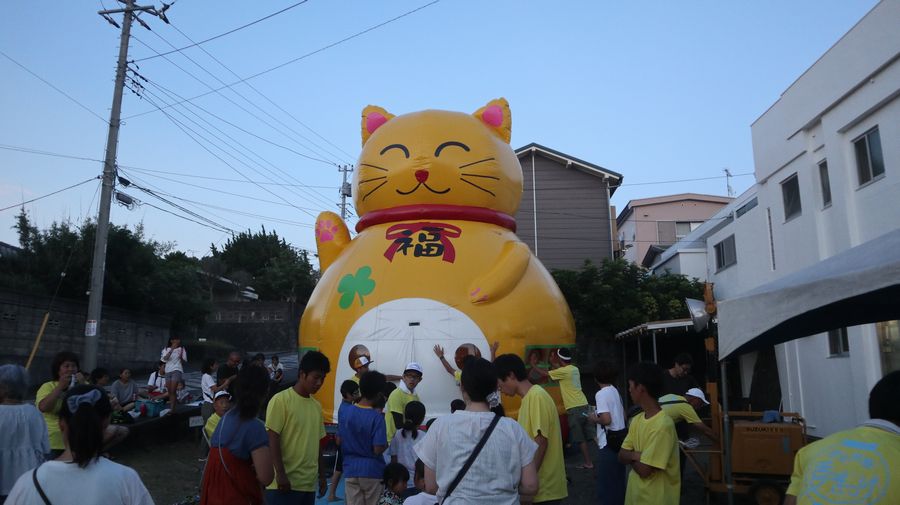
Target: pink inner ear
(493, 115)
(374, 120)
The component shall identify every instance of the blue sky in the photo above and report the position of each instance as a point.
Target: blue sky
(657, 91)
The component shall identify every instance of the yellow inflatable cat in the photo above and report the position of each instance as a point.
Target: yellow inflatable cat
(436, 260)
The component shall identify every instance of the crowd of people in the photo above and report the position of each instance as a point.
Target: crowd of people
(265, 445)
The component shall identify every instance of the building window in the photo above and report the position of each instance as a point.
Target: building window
(684, 228)
(665, 232)
(790, 190)
(838, 343)
(725, 253)
(826, 184)
(869, 160)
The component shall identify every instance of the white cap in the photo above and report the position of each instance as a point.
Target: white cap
(361, 362)
(697, 393)
(220, 394)
(415, 367)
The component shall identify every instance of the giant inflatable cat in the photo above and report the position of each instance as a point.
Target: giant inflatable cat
(436, 259)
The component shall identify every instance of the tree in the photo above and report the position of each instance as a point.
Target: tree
(616, 295)
(278, 271)
(141, 274)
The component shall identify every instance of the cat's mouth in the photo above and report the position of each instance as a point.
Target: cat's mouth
(429, 188)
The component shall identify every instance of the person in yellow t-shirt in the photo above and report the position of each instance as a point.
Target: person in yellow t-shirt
(683, 409)
(295, 425)
(64, 373)
(221, 405)
(539, 418)
(577, 410)
(405, 393)
(651, 446)
(859, 466)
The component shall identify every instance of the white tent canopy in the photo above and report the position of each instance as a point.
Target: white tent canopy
(857, 286)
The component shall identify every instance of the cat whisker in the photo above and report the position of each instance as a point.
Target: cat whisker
(477, 186)
(376, 188)
(373, 166)
(373, 179)
(474, 163)
(479, 175)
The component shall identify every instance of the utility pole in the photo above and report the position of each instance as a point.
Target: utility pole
(728, 187)
(345, 189)
(95, 295)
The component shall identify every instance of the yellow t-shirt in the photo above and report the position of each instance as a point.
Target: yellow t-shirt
(656, 440)
(570, 386)
(52, 417)
(537, 415)
(396, 403)
(457, 376)
(211, 424)
(355, 378)
(860, 465)
(299, 422)
(681, 411)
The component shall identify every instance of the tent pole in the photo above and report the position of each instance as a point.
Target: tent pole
(655, 358)
(726, 439)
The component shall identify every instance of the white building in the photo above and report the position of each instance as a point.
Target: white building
(827, 166)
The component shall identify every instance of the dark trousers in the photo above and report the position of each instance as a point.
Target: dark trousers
(610, 478)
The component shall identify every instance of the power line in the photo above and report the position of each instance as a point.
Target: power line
(50, 194)
(61, 92)
(329, 46)
(260, 93)
(310, 193)
(201, 81)
(229, 32)
(683, 180)
(225, 230)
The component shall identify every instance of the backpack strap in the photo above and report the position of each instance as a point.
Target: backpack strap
(672, 402)
(37, 485)
(468, 463)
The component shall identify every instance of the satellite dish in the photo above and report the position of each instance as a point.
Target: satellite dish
(699, 316)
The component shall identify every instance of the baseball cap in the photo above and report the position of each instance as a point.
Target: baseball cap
(564, 354)
(361, 362)
(414, 367)
(697, 393)
(220, 394)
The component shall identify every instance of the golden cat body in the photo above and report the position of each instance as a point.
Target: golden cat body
(436, 260)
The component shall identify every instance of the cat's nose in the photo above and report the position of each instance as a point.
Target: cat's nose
(421, 175)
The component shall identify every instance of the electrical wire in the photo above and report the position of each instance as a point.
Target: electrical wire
(50, 194)
(229, 32)
(311, 194)
(201, 81)
(260, 93)
(225, 179)
(61, 92)
(329, 46)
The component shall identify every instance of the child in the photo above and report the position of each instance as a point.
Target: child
(182, 394)
(221, 405)
(422, 498)
(401, 449)
(457, 404)
(395, 478)
(156, 384)
(349, 396)
(296, 427)
(361, 431)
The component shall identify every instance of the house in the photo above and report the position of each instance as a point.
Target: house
(647, 226)
(565, 216)
(827, 167)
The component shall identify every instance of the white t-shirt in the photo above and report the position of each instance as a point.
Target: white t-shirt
(494, 476)
(608, 400)
(174, 362)
(158, 381)
(206, 383)
(101, 482)
(422, 498)
(403, 449)
(273, 369)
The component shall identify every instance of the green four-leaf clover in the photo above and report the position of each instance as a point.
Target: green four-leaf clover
(351, 285)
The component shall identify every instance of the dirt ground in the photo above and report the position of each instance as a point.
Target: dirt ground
(167, 461)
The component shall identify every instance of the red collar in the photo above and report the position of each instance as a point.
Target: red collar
(433, 211)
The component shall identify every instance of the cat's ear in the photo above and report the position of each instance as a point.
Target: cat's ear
(497, 117)
(373, 117)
